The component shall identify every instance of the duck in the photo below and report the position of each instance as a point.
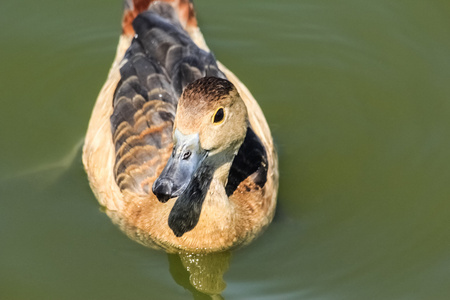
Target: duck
(177, 150)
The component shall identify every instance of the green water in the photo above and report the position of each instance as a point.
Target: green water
(357, 94)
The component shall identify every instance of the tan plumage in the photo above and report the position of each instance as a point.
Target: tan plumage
(129, 141)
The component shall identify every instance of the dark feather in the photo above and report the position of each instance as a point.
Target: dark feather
(250, 160)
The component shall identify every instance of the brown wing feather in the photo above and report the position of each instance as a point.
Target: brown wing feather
(160, 62)
(184, 8)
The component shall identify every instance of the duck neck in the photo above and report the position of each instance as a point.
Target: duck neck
(221, 163)
(221, 174)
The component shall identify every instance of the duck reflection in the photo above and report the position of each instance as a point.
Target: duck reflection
(201, 274)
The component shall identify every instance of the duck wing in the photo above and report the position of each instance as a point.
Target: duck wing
(160, 62)
(250, 162)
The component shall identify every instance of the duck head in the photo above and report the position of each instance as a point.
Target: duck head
(210, 125)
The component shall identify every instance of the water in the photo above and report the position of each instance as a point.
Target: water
(357, 97)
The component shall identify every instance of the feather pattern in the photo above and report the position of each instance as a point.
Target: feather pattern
(160, 62)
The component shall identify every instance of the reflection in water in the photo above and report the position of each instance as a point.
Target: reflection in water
(201, 274)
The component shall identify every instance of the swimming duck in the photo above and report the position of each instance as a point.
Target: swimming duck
(177, 149)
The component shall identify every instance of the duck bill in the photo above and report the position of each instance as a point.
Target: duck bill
(186, 158)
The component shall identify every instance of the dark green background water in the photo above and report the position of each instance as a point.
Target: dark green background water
(357, 94)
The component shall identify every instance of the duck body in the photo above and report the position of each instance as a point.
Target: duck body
(177, 149)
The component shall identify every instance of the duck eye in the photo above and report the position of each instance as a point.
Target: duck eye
(218, 115)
